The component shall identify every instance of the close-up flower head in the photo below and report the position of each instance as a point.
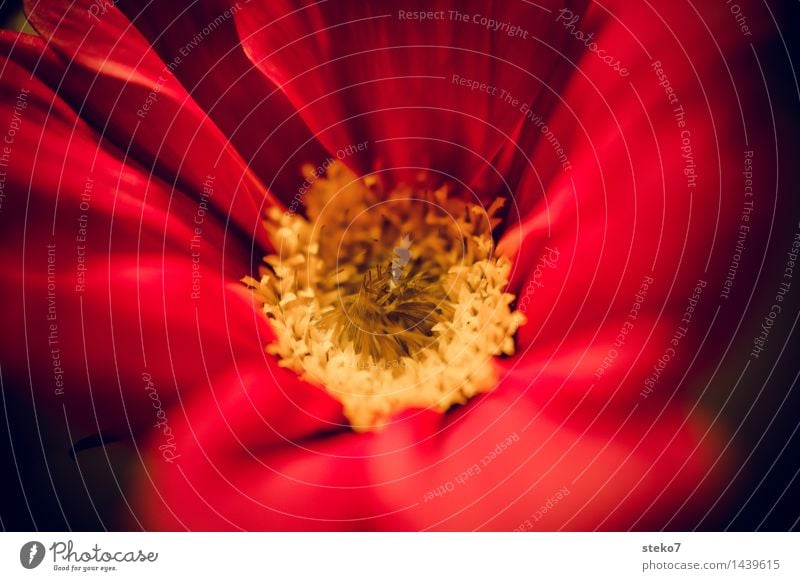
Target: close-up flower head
(333, 265)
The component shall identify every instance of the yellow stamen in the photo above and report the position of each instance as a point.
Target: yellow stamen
(387, 299)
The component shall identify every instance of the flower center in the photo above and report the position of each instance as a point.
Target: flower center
(387, 299)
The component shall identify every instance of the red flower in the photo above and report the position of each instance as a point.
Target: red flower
(147, 144)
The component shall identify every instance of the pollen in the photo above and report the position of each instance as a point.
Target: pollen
(387, 298)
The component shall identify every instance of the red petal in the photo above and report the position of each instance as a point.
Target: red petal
(94, 277)
(135, 321)
(257, 450)
(584, 375)
(502, 465)
(362, 73)
(125, 90)
(60, 172)
(135, 339)
(249, 108)
(631, 213)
